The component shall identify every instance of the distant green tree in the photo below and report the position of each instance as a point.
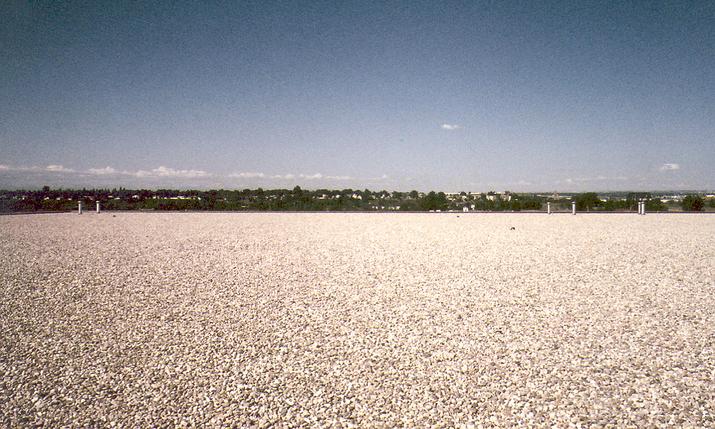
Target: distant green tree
(434, 201)
(587, 201)
(515, 205)
(693, 203)
(428, 202)
(634, 198)
(442, 201)
(655, 205)
(410, 205)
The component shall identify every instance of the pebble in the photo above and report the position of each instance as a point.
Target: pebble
(356, 320)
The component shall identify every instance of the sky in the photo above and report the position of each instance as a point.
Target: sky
(452, 96)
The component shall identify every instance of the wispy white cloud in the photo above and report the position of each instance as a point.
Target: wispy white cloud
(381, 178)
(106, 171)
(311, 176)
(52, 168)
(58, 169)
(166, 172)
(287, 176)
(669, 167)
(10, 168)
(592, 179)
(158, 172)
(451, 127)
(170, 172)
(319, 176)
(247, 175)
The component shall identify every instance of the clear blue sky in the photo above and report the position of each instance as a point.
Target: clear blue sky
(450, 96)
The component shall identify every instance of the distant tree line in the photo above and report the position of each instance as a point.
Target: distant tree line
(298, 199)
(589, 201)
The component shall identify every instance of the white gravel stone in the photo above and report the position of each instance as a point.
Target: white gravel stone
(357, 320)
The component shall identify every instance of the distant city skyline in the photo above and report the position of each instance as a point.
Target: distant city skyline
(555, 96)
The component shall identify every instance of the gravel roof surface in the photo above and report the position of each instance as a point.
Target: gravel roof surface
(366, 320)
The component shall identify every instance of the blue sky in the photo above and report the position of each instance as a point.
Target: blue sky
(471, 96)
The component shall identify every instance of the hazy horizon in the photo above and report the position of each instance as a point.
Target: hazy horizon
(445, 96)
(373, 189)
